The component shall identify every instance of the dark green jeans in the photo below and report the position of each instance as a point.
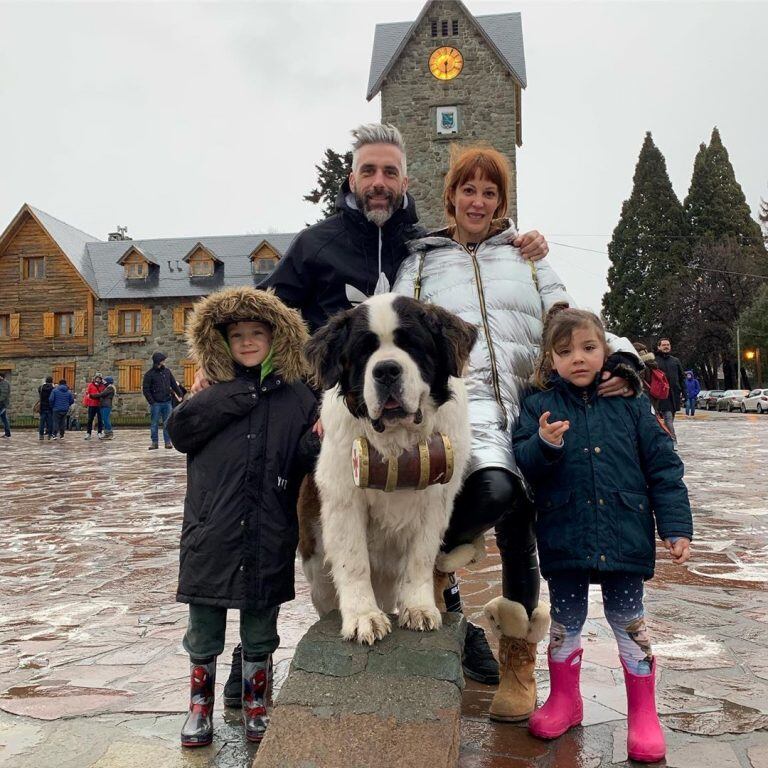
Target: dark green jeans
(207, 627)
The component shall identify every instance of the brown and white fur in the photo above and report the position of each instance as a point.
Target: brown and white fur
(391, 368)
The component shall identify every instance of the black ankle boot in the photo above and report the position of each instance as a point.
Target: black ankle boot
(197, 730)
(233, 686)
(256, 676)
(477, 659)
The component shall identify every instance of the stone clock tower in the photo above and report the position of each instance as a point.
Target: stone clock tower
(450, 77)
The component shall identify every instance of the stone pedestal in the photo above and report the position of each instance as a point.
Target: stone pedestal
(396, 703)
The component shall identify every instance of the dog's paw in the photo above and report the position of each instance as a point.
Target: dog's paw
(422, 619)
(366, 628)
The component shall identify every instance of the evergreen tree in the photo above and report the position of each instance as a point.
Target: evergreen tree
(726, 253)
(331, 174)
(763, 216)
(647, 249)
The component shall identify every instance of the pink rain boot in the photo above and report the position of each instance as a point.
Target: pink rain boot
(563, 708)
(645, 739)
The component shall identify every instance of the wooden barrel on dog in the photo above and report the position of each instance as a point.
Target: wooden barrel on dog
(430, 462)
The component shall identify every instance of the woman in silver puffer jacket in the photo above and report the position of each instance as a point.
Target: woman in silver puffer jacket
(471, 269)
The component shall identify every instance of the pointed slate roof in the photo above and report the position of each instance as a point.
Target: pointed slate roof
(71, 240)
(503, 32)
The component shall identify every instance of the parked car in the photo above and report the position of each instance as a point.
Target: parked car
(711, 402)
(756, 400)
(701, 398)
(731, 399)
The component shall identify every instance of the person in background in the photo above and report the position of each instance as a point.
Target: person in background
(5, 401)
(672, 368)
(692, 389)
(106, 397)
(61, 401)
(159, 387)
(92, 402)
(46, 414)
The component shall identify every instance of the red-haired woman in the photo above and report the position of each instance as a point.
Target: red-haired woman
(471, 269)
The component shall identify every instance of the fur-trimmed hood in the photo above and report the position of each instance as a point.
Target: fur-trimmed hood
(210, 350)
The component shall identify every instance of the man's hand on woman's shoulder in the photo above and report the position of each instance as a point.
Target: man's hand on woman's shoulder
(533, 245)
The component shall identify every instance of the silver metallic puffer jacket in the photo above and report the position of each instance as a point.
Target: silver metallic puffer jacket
(495, 290)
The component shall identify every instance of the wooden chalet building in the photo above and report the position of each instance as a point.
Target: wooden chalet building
(72, 305)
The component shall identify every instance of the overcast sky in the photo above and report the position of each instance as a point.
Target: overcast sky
(187, 119)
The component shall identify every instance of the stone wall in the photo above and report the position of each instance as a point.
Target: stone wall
(484, 93)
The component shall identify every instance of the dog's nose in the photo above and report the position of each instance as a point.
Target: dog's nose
(387, 371)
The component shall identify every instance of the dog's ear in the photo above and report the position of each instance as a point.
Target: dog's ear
(453, 336)
(323, 350)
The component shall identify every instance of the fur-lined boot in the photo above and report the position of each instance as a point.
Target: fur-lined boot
(446, 586)
(515, 699)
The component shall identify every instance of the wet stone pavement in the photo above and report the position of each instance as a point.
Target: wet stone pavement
(92, 673)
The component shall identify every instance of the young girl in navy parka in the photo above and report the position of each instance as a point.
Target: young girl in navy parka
(602, 472)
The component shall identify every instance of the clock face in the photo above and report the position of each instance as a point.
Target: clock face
(445, 63)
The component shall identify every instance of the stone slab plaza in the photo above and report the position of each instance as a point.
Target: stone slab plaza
(93, 675)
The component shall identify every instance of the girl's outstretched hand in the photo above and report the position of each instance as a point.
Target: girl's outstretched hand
(680, 550)
(552, 433)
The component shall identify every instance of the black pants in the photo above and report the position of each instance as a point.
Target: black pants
(94, 412)
(491, 498)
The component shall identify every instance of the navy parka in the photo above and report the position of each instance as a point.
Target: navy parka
(597, 496)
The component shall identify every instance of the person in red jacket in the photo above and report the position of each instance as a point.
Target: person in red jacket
(93, 404)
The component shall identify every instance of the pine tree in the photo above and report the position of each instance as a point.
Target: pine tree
(727, 252)
(331, 174)
(646, 250)
(763, 216)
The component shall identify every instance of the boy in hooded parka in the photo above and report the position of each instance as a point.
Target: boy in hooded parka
(240, 531)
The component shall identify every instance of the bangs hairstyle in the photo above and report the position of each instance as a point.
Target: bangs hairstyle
(465, 162)
(559, 324)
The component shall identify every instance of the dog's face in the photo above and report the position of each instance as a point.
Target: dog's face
(391, 357)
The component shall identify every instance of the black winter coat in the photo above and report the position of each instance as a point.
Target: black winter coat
(158, 384)
(673, 370)
(596, 498)
(45, 396)
(241, 437)
(342, 252)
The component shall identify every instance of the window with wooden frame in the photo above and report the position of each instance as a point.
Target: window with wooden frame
(63, 324)
(33, 267)
(263, 265)
(136, 267)
(130, 375)
(66, 371)
(129, 322)
(200, 264)
(188, 367)
(9, 325)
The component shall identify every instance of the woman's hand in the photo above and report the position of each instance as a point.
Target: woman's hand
(532, 245)
(200, 382)
(552, 433)
(318, 430)
(679, 550)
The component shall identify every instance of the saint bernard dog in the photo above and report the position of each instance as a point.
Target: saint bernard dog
(391, 370)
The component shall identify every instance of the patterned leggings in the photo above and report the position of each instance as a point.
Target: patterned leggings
(623, 606)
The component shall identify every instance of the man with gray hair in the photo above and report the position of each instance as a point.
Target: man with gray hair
(341, 261)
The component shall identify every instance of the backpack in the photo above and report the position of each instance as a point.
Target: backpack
(659, 386)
